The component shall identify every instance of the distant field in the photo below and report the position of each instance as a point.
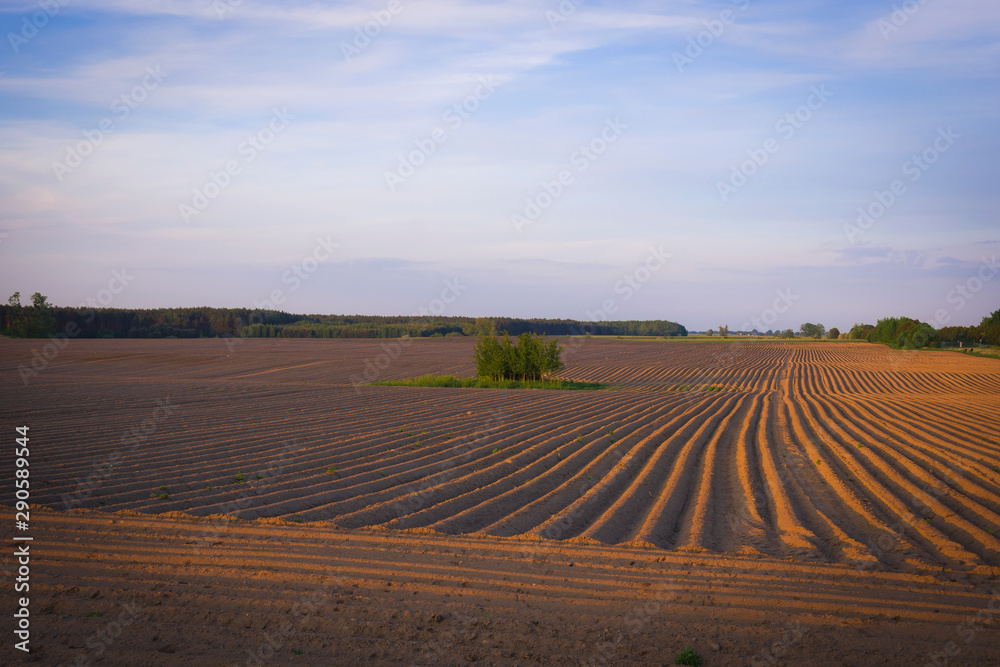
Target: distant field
(815, 452)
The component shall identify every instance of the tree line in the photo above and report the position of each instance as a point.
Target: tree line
(41, 319)
(910, 334)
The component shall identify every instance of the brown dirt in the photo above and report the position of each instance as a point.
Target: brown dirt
(709, 518)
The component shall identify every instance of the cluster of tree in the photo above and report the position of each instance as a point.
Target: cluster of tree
(34, 321)
(987, 332)
(42, 319)
(904, 333)
(787, 333)
(811, 330)
(860, 331)
(909, 334)
(531, 358)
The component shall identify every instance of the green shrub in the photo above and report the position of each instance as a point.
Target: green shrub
(688, 657)
(860, 331)
(903, 333)
(528, 359)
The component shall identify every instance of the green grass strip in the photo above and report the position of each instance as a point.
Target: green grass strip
(477, 383)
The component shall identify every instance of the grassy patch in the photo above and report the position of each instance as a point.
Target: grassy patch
(476, 383)
(688, 657)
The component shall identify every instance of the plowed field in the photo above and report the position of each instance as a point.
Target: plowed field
(829, 455)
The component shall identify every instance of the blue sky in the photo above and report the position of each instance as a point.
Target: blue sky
(738, 138)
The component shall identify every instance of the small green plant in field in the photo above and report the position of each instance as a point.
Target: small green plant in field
(590, 477)
(239, 478)
(860, 446)
(209, 488)
(91, 614)
(164, 496)
(259, 476)
(382, 473)
(559, 456)
(688, 657)
(401, 429)
(496, 449)
(332, 470)
(579, 438)
(819, 462)
(297, 651)
(164, 488)
(996, 468)
(297, 519)
(152, 495)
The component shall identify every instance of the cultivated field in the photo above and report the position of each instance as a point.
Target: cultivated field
(820, 461)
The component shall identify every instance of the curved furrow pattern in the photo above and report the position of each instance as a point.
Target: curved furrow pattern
(829, 451)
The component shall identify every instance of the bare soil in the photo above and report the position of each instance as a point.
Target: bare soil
(762, 502)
